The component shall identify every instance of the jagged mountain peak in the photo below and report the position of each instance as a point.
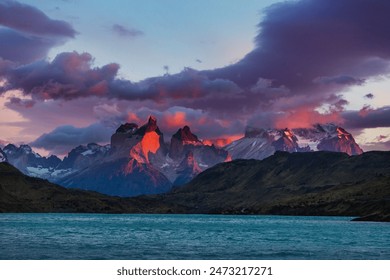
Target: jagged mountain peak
(252, 132)
(150, 126)
(186, 136)
(288, 133)
(129, 135)
(10, 147)
(23, 149)
(182, 142)
(127, 127)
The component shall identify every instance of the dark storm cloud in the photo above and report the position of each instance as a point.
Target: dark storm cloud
(300, 41)
(63, 138)
(125, 31)
(27, 19)
(373, 118)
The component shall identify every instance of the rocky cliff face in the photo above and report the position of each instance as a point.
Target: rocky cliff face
(187, 170)
(188, 156)
(182, 142)
(125, 168)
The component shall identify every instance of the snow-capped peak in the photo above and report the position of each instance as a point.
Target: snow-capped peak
(320, 137)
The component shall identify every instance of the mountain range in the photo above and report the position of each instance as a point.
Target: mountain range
(139, 161)
(318, 183)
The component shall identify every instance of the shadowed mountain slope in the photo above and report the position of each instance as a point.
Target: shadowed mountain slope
(318, 183)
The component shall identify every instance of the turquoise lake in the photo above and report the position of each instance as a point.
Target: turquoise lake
(99, 236)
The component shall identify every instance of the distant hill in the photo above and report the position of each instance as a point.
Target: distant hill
(316, 183)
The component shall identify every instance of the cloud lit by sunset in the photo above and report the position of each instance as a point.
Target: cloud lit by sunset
(66, 74)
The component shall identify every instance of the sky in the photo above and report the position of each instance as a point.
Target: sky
(72, 71)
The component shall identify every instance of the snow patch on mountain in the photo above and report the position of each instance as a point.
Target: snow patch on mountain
(3, 157)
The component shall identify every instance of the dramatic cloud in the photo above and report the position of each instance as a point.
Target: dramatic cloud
(371, 119)
(365, 110)
(67, 77)
(126, 32)
(28, 19)
(27, 34)
(72, 76)
(62, 139)
(315, 48)
(20, 48)
(301, 41)
(306, 54)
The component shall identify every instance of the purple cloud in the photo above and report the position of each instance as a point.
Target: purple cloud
(302, 40)
(373, 118)
(27, 19)
(378, 146)
(314, 50)
(341, 80)
(306, 53)
(20, 48)
(63, 138)
(27, 34)
(68, 76)
(126, 32)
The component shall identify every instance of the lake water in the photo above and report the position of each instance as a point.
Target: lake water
(99, 236)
